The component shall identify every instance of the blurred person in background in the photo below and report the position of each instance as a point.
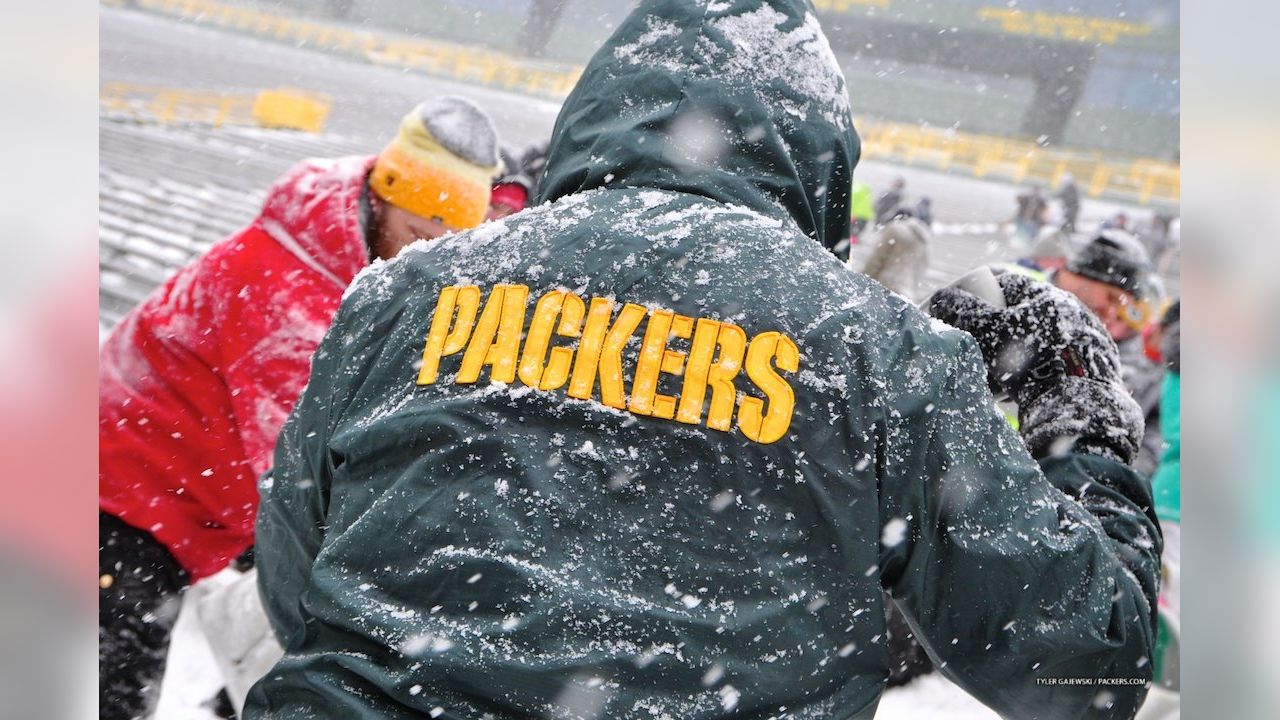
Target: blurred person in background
(862, 215)
(924, 211)
(1069, 196)
(862, 210)
(901, 256)
(1048, 253)
(1030, 215)
(1112, 276)
(1156, 236)
(1119, 221)
(196, 381)
(457, 529)
(889, 201)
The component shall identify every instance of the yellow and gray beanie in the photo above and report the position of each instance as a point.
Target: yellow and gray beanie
(441, 163)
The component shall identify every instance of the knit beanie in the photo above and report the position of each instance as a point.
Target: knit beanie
(1114, 257)
(441, 163)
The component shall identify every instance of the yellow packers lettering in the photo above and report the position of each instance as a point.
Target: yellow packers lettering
(448, 335)
(536, 369)
(496, 339)
(579, 343)
(655, 358)
(766, 426)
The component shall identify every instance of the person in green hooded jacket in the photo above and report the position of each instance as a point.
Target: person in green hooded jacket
(648, 450)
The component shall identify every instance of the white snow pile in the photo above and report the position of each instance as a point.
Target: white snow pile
(765, 56)
(760, 56)
(642, 51)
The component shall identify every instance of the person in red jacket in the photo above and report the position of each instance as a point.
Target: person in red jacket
(195, 383)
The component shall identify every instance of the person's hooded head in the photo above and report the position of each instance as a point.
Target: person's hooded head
(739, 101)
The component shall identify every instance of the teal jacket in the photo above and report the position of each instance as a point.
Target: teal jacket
(646, 450)
(1166, 483)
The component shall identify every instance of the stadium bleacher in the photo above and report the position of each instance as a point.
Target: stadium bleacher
(165, 194)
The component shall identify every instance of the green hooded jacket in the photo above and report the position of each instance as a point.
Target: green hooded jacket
(646, 450)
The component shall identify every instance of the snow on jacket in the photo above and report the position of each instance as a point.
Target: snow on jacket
(648, 450)
(901, 257)
(196, 381)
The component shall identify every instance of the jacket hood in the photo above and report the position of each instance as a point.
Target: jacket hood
(740, 101)
(313, 210)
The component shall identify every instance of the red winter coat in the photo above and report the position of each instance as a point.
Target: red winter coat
(195, 383)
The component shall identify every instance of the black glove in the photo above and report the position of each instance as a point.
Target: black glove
(1056, 360)
(244, 562)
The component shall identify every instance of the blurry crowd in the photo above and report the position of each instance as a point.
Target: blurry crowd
(1115, 270)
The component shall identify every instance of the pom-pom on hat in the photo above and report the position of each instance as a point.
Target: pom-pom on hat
(441, 163)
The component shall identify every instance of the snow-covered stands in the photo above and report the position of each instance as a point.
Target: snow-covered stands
(496, 337)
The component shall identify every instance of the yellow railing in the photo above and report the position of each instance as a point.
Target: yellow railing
(168, 105)
(460, 62)
(279, 108)
(983, 156)
(292, 109)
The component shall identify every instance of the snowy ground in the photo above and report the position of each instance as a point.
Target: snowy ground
(136, 47)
